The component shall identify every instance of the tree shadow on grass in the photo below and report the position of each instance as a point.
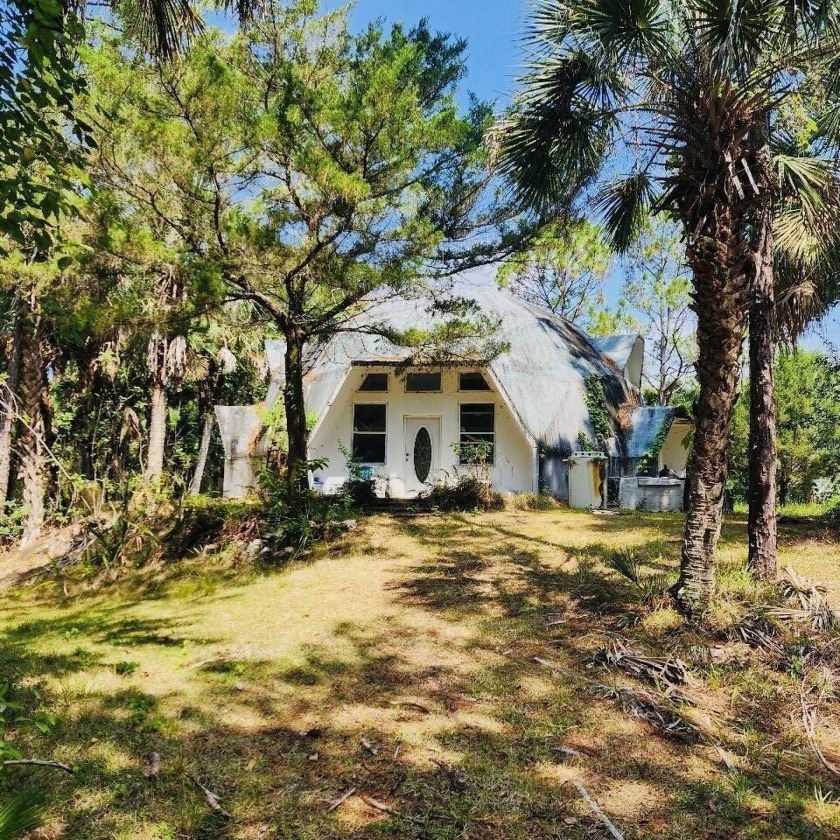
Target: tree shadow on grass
(466, 746)
(510, 782)
(520, 574)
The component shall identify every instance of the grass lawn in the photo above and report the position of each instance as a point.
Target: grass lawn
(401, 663)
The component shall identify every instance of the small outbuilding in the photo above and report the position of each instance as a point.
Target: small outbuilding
(551, 391)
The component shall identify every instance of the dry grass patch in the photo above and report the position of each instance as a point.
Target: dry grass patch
(403, 663)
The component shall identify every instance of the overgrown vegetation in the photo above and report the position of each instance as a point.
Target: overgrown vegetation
(649, 462)
(807, 387)
(596, 403)
(466, 493)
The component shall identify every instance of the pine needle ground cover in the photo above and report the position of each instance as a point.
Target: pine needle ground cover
(441, 676)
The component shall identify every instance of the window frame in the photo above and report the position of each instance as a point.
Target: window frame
(487, 389)
(438, 390)
(383, 434)
(362, 390)
(490, 461)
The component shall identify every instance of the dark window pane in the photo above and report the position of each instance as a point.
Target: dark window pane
(375, 382)
(477, 417)
(478, 441)
(369, 449)
(473, 381)
(369, 418)
(422, 382)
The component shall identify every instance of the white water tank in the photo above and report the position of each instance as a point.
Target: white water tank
(587, 480)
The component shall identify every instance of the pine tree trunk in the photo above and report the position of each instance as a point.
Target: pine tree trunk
(203, 451)
(762, 446)
(157, 433)
(34, 403)
(8, 402)
(297, 477)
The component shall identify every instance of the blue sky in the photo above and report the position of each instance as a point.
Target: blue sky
(493, 29)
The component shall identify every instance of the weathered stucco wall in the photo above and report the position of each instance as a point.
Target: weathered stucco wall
(655, 494)
(239, 428)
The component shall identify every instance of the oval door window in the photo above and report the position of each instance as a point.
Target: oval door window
(422, 453)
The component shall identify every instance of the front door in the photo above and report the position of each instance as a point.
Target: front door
(422, 453)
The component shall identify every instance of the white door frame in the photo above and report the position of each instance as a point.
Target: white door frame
(433, 423)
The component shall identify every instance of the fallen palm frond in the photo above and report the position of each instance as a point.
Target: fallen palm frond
(643, 705)
(810, 597)
(756, 634)
(655, 669)
(639, 703)
(809, 721)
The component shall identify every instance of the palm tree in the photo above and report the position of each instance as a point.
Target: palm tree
(801, 226)
(682, 91)
(163, 26)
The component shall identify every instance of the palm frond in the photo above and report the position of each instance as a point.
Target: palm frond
(809, 179)
(625, 206)
(734, 32)
(627, 27)
(626, 562)
(20, 814)
(161, 26)
(796, 235)
(245, 10)
(798, 306)
(554, 141)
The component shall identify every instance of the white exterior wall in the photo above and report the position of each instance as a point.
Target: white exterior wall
(674, 452)
(587, 480)
(515, 464)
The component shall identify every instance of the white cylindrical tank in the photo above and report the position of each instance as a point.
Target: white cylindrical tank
(587, 480)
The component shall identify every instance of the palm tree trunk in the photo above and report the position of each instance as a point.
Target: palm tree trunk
(157, 433)
(762, 445)
(34, 402)
(203, 451)
(8, 401)
(297, 477)
(718, 259)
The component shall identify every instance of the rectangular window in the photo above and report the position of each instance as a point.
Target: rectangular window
(472, 381)
(478, 433)
(369, 433)
(375, 382)
(420, 382)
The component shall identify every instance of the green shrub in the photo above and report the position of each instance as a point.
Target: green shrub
(11, 522)
(534, 501)
(294, 522)
(467, 493)
(832, 513)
